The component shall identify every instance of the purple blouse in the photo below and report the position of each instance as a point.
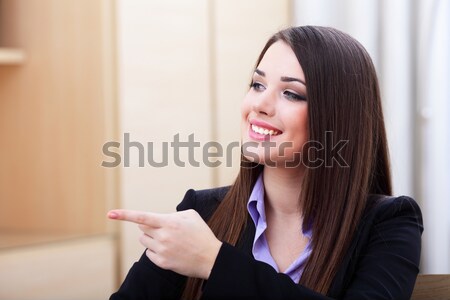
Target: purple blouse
(261, 251)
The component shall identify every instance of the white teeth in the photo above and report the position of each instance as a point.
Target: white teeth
(264, 131)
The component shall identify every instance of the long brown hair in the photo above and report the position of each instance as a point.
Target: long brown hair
(344, 99)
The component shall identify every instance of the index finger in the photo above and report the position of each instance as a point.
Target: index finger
(138, 217)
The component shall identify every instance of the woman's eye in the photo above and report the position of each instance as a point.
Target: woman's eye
(294, 96)
(256, 86)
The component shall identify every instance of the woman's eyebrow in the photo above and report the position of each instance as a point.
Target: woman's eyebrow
(283, 78)
(259, 72)
(289, 79)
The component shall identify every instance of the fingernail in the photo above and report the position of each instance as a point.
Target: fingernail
(113, 215)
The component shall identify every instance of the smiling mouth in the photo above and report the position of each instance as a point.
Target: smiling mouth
(264, 131)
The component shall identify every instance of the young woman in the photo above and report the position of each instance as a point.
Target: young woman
(309, 215)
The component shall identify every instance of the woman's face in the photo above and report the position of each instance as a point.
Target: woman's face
(274, 111)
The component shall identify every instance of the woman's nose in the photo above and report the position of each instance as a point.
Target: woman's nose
(265, 103)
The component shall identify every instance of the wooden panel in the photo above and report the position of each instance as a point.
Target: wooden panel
(82, 269)
(241, 30)
(431, 287)
(53, 121)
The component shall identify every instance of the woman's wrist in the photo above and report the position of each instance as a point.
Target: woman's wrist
(211, 259)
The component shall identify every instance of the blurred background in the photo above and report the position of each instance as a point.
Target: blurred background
(75, 75)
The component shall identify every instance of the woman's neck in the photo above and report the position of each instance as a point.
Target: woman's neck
(282, 191)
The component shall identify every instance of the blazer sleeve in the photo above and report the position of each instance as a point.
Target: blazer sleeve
(145, 280)
(389, 264)
(385, 268)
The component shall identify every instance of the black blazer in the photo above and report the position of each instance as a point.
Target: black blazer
(381, 263)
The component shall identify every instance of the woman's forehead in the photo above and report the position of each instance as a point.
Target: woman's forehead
(280, 60)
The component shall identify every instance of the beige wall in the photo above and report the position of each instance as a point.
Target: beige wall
(73, 269)
(184, 67)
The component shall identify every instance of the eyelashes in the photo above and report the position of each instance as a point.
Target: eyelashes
(258, 87)
(294, 96)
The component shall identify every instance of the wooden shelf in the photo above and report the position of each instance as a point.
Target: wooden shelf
(11, 239)
(11, 56)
